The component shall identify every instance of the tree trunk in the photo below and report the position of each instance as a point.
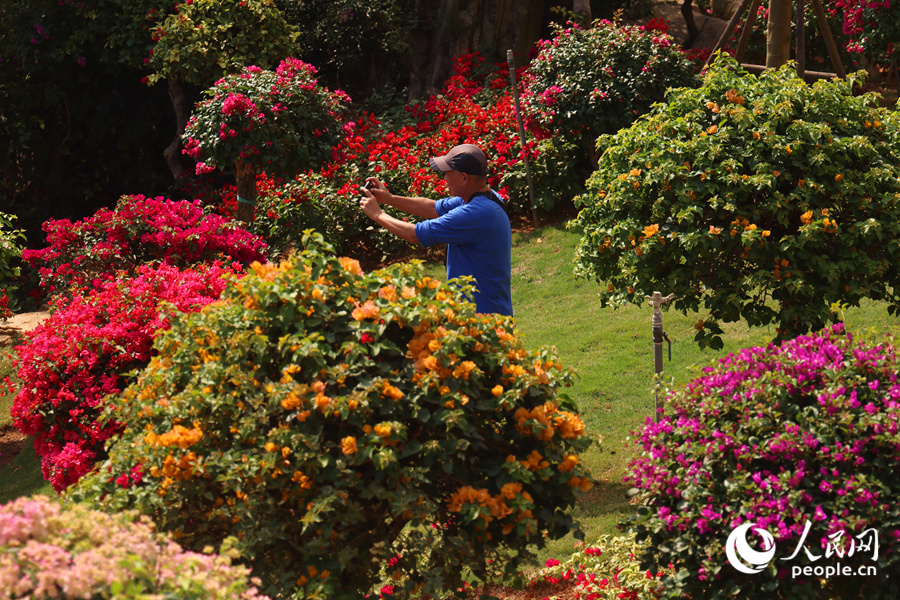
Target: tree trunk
(245, 176)
(582, 8)
(778, 34)
(172, 153)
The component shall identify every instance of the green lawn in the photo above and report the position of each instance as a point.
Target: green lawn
(612, 350)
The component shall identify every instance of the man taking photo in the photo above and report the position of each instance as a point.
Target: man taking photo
(472, 222)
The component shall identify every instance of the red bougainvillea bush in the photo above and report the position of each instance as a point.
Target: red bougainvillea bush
(798, 442)
(137, 231)
(85, 350)
(352, 430)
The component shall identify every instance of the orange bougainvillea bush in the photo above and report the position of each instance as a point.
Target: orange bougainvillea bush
(356, 432)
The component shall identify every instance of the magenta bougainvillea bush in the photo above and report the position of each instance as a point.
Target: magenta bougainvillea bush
(85, 350)
(800, 441)
(69, 553)
(137, 231)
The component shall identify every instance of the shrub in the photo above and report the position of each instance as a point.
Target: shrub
(799, 440)
(757, 198)
(10, 252)
(86, 350)
(205, 39)
(47, 551)
(139, 230)
(317, 413)
(588, 82)
(279, 121)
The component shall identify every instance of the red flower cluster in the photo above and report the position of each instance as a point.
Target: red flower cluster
(84, 352)
(137, 231)
(475, 106)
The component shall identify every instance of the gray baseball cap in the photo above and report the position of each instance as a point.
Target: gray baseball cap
(465, 158)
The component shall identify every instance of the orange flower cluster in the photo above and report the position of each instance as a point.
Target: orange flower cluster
(179, 436)
(348, 445)
(350, 265)
(496, 504)
(367, 311)
(569, 425)
(389, 391)
(173, 470)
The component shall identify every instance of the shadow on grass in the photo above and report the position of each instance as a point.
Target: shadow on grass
(22, 476)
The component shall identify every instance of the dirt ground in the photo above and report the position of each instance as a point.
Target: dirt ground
(11, 439)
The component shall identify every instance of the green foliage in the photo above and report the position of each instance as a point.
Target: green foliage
(755, 198)
(207, 39)
(281, 120)
(10, 248)
(78, 127)
(317, 413)
(356, 43)
(587, 82)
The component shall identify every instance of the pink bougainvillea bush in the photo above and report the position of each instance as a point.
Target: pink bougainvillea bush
(798, 442)
(85, 351)
(47, 551)
(137, 231)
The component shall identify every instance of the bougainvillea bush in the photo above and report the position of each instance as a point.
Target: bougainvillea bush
(317, 413)
(281, 121)
(755, 198)
(591, 81)
(137, 231)
(800, 440)
(74, 553)
(86, 349)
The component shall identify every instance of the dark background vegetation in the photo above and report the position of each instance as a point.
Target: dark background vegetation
(79, 128)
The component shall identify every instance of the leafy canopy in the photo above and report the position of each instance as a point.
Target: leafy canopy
(756, 198)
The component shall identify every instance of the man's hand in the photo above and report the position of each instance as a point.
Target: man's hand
(369, 205)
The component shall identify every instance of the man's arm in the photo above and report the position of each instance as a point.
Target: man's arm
(418, 207)
(401, 229)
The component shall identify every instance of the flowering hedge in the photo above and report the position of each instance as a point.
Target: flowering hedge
(139, 230)
(318, 412)
(800, 440)
(588, 82)
(755, 198)
(607, 569)
(85, 351)
(47, 551)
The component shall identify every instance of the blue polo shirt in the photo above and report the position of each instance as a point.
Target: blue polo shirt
(479, 244)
